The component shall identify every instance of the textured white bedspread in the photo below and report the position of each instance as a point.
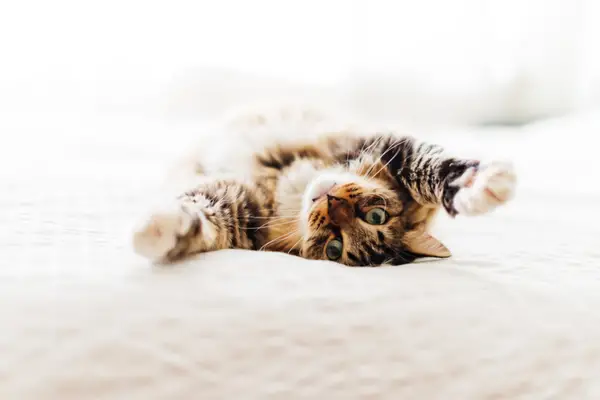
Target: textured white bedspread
(513, 315)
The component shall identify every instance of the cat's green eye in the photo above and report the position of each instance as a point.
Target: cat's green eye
(334, 249)
(376, 216)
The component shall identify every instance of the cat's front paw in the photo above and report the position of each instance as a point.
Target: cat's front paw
(159, 234)
(484, 188)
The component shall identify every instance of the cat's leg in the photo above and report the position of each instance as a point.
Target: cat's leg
(215, 215)
(461, 186)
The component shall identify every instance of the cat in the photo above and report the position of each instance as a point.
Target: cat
(352, 198)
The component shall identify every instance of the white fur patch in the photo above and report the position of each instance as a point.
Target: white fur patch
(485, 189)
(157, 235)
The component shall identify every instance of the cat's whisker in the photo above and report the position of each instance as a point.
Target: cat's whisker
(279, 239)
(295, 244)
(269, 225)
(273, 223)
(280, 209)
(277, 217)
(291, 215)
(273, 219)
(283, 218)
(385, 166)
(392, 147)
(374, 162)
(368, 152)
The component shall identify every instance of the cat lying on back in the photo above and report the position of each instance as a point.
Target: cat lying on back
(360, 200)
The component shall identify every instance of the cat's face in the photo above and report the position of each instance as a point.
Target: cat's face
(354, 220)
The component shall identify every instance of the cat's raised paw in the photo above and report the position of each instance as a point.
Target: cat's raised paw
(159, 234)
(485, 188)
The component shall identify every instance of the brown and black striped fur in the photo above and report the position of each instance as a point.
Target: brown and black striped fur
(407, 179)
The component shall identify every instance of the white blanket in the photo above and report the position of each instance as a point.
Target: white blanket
(513, 315)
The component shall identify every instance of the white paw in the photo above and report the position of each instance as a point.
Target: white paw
(158, 234)
(485, 188)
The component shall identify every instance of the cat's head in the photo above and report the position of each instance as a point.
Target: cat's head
(360, 221)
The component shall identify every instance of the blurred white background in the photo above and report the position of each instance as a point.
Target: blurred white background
(459, 61)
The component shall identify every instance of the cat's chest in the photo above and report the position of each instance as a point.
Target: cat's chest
(285, 232)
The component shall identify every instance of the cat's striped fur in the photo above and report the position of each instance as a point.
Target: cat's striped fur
(302, 197)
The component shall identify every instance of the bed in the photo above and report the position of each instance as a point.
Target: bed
(512, 315)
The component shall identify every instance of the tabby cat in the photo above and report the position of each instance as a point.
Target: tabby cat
(360, 200)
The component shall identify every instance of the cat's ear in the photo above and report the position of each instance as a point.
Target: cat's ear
(422, 243)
